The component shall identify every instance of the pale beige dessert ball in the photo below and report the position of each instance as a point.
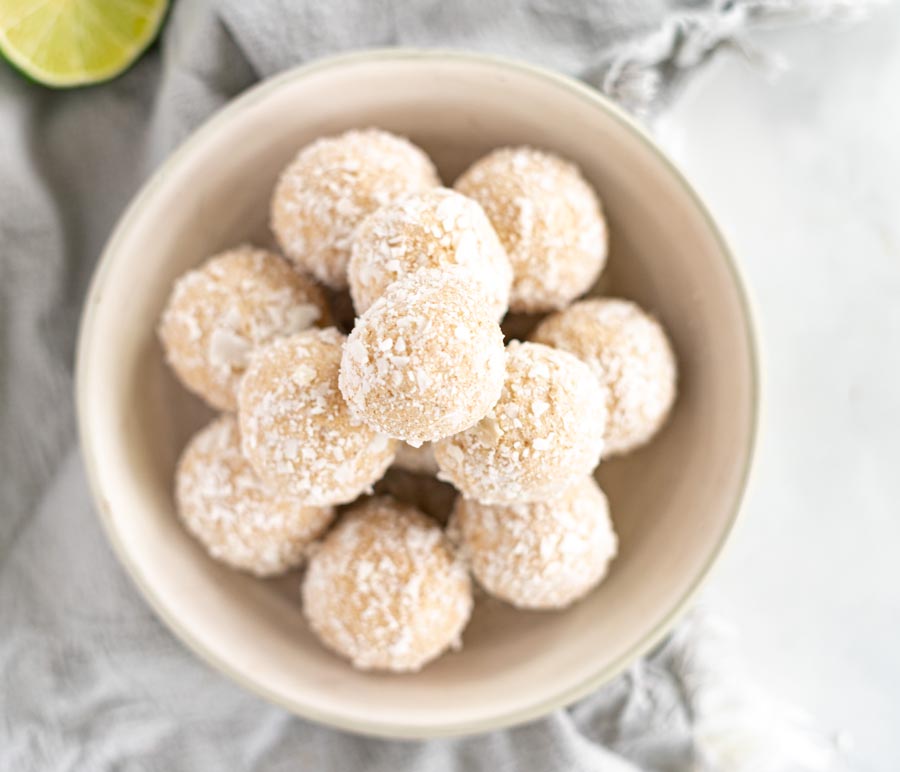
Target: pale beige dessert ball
(545, 432)
(296, 428)
(438, 229)
(330, 187)
(386, 590)
(630, 354)
(542, 555)
(238, 519)
(548, 219)
(220, 312)
(425, 361)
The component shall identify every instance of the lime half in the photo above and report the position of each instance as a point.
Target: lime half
(75, 42)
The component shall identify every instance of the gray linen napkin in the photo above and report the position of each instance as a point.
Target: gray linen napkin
(89, 679)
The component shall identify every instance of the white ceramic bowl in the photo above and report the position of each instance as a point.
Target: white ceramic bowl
(673, 502)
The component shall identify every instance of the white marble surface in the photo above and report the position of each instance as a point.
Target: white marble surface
(803, 173)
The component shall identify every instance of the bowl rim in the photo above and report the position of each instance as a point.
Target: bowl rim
(86, 336)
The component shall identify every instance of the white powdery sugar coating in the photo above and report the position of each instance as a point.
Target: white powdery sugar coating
(549, 220)
(425, 361)
(219, 313)
(438, 229)
(544, 433)
(386, 589)
(630, 353)
(237, 518)
(296, 428)
(542, 555)
(330, 187)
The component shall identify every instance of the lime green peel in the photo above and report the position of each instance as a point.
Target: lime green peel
(63, 43)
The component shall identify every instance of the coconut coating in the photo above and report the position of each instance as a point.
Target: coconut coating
(630, 353)
(220, 312)
(425, 361)
(542, 555)
(548, 219)
(331, 185)
(438, 229)
(296, 429)
(544, 433)
(386, 590)
(237, 518)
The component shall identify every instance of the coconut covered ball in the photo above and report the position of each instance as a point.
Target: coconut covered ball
(544, 434)
(630, 354)
(548, 219)
(329, 188)
(237, 518)
(542, 555)
(296, 429)
(425, 361)
(385, 589)
(438, 229)
(219, 313)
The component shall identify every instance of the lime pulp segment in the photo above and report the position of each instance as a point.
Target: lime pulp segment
(77, 42)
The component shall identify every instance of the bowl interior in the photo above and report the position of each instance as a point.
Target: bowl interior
(673, 502)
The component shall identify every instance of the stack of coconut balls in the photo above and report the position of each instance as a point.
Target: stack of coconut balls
(312, 418)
